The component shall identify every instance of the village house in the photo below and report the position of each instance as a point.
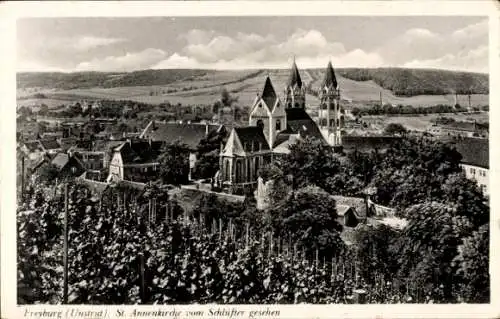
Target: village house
(135, 160)
(475, 160)
(190, 134)
(459, 129)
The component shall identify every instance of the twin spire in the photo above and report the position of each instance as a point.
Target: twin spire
(294, 79)
(330, 79)
(269, 94)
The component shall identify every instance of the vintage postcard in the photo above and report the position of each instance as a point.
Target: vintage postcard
(249, 160)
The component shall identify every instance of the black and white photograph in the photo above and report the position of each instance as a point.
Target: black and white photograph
(252, 160)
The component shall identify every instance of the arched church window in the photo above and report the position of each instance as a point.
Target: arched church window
(249, 171)
(278, 125)
(257, 166)
(238, 171)
(227, 170)
(260, 124)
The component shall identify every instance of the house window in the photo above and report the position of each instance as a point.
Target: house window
(278, 125)
(260, 104)
(473, 171)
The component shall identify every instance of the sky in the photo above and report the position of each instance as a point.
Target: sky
(128, 44)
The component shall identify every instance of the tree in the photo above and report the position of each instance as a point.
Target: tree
(427, 247)
(47, 173)
(467, 199)
(310, 162)
(473, 266)
(375, 253)
(207, 154)
(226, 98)
(413, 170)
(44, 109)
(395, 129)
(309, 216)
(174, 163)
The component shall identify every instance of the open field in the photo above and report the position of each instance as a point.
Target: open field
(420, 122)
(34, 103)
(205, 87)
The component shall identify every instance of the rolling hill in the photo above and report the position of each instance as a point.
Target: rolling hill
(358, 86)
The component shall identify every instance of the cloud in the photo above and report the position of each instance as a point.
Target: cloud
(82, 43)
(251, 50)
(475, 60)
(127, 62)
(420, 33)
(463, 49)
(197, 36)
(472, 31)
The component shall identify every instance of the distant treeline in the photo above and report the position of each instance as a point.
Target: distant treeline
(411, 82)
(388, 109)
(83, 80)
(402, 82)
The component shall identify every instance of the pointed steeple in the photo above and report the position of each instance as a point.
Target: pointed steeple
(330, 79)
(294, 79)
(268, 94)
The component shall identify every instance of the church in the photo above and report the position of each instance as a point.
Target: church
(275, 124)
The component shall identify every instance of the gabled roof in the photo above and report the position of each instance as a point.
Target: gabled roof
(251, 134)
(139, 151)
(299, 122)
(294, 79)
(68, 142)
(189, 134)
(50, 144)
(60, 160)
(329, 79)
(105, 146)
(33, 146)
(474, 151)
(269, 94)
(283, 143)
(358, 204)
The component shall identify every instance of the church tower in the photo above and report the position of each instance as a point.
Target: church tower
(295, 92)
(329, 113)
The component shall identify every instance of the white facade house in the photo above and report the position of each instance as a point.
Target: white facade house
(475, 160)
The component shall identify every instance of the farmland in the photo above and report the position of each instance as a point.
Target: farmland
(419, 122)
(204, 87)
